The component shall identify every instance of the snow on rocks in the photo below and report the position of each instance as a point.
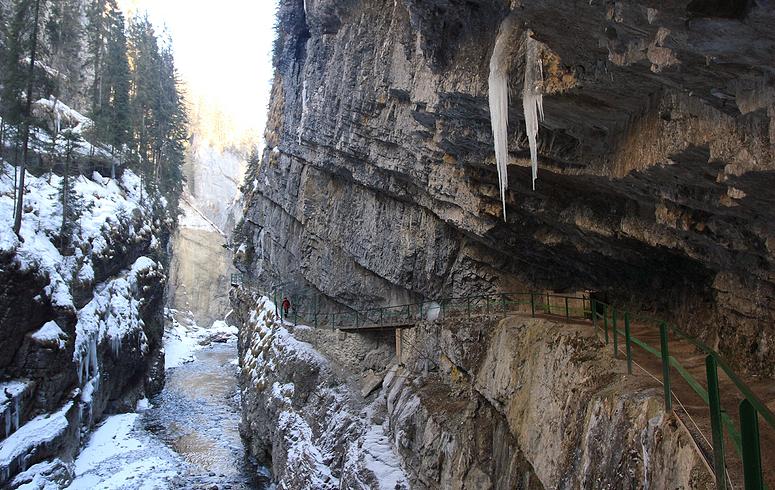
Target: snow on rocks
(11, 394)
(183, 337)
(32, 436)
(117, 455)
(107, 210)
(49, 475)
(306, 416)
(61, 115)
(113, 315)
(51, 336)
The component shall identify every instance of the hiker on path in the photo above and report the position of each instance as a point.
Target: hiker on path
(286, 306)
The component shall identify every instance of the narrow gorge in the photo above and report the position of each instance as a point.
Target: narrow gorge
(374, 244)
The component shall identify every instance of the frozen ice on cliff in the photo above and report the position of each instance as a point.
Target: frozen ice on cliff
(532, 98)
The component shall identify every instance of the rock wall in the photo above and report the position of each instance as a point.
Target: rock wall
(302, 413)
(378, 184)
(200, 272)
(470, 404)
(525, 403)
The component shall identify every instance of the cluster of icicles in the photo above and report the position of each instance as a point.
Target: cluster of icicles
(532, 100)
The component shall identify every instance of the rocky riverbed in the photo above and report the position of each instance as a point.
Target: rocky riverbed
(185, 437)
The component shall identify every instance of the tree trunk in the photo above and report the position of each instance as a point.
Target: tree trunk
(17, 222)
(65, 193)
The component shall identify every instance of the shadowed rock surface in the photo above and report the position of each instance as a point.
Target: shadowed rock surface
(378, 184)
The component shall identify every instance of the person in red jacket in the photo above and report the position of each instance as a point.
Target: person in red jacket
(286, 306)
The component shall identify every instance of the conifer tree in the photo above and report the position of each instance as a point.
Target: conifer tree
(72, 140)
(27, 116)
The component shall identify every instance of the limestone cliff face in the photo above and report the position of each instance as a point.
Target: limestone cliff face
(525, 403)
(200, 270)
(656, 156)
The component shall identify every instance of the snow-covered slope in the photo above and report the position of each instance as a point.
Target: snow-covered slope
(108, 208)
(81, 310)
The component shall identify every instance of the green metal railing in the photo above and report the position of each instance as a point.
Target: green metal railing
(746, 439)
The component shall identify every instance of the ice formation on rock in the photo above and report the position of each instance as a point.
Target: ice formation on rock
(303, 120)
(532, 98)
(499, 103)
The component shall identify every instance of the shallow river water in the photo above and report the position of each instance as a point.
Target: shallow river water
(188, 438)
(197, 415)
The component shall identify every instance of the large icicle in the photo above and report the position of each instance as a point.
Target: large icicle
(499, 103)
(532, 98)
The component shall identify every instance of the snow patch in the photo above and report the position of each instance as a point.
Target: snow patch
(116, 458)
(37, 432)
(50, 335)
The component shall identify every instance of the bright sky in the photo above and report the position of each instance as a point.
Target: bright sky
(223, 50)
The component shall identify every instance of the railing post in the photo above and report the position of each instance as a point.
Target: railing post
(605, 322)
(532, 305)
(628, 341)
(752, 458)
(382, 317)
(567, 310)
(443, 310)
(616, 333)
(714, 402)
(665, 365)
(503, 303)
(548, 305)
(594, 315)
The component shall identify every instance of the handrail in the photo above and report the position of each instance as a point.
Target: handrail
(403, 315)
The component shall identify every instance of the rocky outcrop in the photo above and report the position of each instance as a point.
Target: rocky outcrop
(302, 413)
(526, 403)
(378, 183)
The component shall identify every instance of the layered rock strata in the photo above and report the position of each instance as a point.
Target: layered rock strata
(378, 184)
(524, 403)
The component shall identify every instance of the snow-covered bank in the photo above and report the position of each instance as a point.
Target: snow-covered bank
(82, 312)
(119, 454)
(183, 337)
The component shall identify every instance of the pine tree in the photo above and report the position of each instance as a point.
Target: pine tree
(27, 119)
(70, 211)
(117, 75)
(96, 35)
(63, 38)
(144, 53)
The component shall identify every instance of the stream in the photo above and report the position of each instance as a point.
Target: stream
(187, 437)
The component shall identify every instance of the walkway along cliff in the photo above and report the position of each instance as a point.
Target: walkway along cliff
(652, 127)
